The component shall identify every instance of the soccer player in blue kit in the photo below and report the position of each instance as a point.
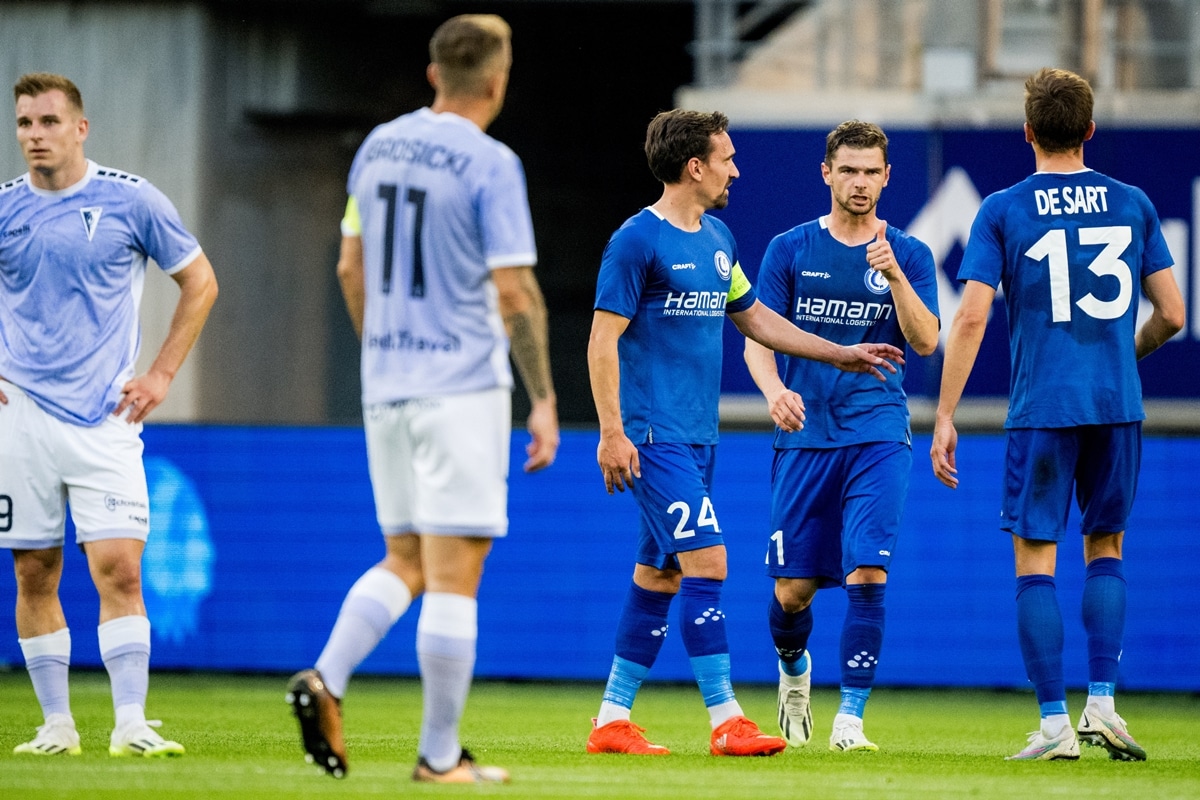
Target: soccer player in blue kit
(437, 272)
(1070, 247)
(843, 448)
(75, 238)
(668, 277)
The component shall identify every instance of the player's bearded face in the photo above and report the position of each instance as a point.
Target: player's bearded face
(856, 179)
(720, 171)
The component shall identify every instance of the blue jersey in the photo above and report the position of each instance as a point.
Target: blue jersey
(828, 289)
(1070, 250)
(674, 287)
(439, 204)
(72, 267)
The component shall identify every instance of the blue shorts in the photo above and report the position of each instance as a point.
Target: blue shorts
(835, 510)
(1042, 464)
(676, 513)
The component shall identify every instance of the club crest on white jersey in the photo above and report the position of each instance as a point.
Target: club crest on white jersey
(91, 218)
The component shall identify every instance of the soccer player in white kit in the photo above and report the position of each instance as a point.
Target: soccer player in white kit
(437, 272)
(74, 241)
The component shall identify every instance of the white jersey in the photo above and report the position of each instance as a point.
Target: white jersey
(72, 267)
(438, 204)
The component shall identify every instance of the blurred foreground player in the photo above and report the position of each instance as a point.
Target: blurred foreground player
(436, 265)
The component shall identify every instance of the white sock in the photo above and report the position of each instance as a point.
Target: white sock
(48, 661)
(611, 712)
(722, 712)
(1052, 725)
(446, 635)
(371, 608)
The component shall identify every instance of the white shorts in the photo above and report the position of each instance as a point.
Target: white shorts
(439, 465)
(47, 463)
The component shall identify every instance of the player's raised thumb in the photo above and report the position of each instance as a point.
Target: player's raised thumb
(881, 235)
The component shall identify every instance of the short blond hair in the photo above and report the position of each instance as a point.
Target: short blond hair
(468, 50)
(34, 83)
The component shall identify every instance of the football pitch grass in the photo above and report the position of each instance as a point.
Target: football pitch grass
(242, 742)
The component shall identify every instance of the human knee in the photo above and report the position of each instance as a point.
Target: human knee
(38, 571)
(795, 595)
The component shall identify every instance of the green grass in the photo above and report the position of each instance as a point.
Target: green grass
(242, 742)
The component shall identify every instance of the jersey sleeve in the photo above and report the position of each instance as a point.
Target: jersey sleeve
(351, 220)
(162, 234)
(504, 215)
(983, 259)
(1157, 255)
(624, 266)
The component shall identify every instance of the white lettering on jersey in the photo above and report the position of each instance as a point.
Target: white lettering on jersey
(824, 309)
(1072, 200)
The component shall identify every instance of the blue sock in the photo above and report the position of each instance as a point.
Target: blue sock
(862, 635)
(1040, 629)
(854, 700)
(1104, 618)
(1053, 707)
(790, 633)
(640, 635)
(703, 631)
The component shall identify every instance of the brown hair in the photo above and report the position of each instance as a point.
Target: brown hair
(35, 83)
(468, 49)
(1058, 109)
(858, 135)
(676, 137)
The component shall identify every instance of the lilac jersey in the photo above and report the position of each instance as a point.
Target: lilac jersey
(1070, 250)
(72, 267)
(439, 204)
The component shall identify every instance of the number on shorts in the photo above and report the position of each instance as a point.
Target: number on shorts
(707, 518)
(777, 538)
(5, 513)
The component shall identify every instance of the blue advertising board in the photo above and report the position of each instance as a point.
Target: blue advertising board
(938, 180)
(259, 532)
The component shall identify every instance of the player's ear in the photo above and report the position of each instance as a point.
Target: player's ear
(1091, 131)
(433, 76)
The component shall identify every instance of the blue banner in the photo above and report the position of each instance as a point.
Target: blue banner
(259, 532)
(938, 180)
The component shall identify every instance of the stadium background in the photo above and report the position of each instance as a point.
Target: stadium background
(247, 115)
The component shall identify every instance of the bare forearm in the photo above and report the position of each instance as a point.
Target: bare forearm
(197, 293)
(763, 369)
(918, 324)
(770, 330)
(1154, 333)
(961, 350)
(529, 337)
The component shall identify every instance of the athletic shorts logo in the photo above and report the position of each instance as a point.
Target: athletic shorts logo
(875, 281)
(724, 267)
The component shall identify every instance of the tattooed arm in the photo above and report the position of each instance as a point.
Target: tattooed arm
(525, 318)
